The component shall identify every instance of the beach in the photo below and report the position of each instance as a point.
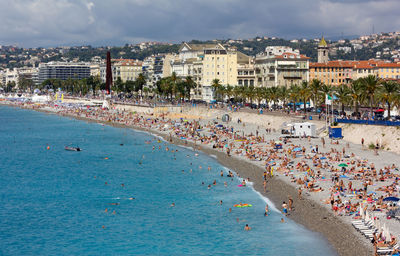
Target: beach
(247, 159)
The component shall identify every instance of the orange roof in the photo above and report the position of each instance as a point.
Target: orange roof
(388, 65)
(359, 64)
(333, 64)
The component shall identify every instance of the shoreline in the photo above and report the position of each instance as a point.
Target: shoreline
(341, 236)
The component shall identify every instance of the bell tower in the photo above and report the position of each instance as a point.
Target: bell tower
(323, 50)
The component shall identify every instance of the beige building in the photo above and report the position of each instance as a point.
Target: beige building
(281, 69)
(126, 69)
(207, 62)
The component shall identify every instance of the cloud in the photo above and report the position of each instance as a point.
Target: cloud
(102, 22)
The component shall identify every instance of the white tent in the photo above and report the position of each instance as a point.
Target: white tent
(40, 98)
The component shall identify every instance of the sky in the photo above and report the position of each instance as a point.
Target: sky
(44, 23)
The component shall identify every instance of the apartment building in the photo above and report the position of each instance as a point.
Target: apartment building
(281, 66)
(389, 70)
(63, 70)
(126, 69)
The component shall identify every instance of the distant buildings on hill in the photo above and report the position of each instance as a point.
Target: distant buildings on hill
(275, 66)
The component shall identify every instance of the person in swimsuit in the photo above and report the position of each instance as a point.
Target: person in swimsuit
(247, 228)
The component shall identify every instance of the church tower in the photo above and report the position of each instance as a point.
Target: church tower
(323, 51)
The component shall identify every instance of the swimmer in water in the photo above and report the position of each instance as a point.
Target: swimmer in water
(266, 210)
(247, 228)
(230, 209)
(225, 184)
(131, 198)
(209, 186)
(106, 210)
(220, 202)
(215, 182)
(209, 168)
(173, 204)
(222, 173)
(282, 220)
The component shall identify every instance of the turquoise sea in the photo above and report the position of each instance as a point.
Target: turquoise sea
(57, 202)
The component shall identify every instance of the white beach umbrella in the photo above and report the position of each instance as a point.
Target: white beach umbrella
(386, 233)
(362, 212)
(378, 225)
(367, 216)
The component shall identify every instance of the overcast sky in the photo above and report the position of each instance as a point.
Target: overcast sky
(33, 23)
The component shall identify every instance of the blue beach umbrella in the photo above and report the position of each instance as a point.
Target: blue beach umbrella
(296, 149)
(391, 199)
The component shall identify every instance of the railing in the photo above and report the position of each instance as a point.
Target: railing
(370, 122)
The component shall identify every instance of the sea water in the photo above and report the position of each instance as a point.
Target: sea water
(58, 202)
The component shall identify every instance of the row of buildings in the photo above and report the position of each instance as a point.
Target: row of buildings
(276, 66)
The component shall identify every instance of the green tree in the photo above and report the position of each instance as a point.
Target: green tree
(140, 82)
(388, 93)
(357, 93)
(304, 94)
(315, 88)
(274, 94)
(343, 94)
(371, 84)
(189, 84)
(294, 95)
(216, 87)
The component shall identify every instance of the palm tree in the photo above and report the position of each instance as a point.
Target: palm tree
(283, 94)
(140, 82)
(371, 84)
(274, 94)
(249, 93)
(304, 94)
(238, 92)
(388, 93)
(259, 94)
(216, 86)
(315, 88)
(342, 93)
(229, 91)
(294, 94)
(189, 85)
(357, 93)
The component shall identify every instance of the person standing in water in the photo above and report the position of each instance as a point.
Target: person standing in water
(266, 210)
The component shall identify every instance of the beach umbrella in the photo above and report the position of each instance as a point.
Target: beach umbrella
(391, 199)
(361, 212)
(386, 232)
(219, 125)
(343, 176)
(296, 149)
(322, 158)
(343, 165)
(367, 216)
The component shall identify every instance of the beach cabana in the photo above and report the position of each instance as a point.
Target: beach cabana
(305, 129)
